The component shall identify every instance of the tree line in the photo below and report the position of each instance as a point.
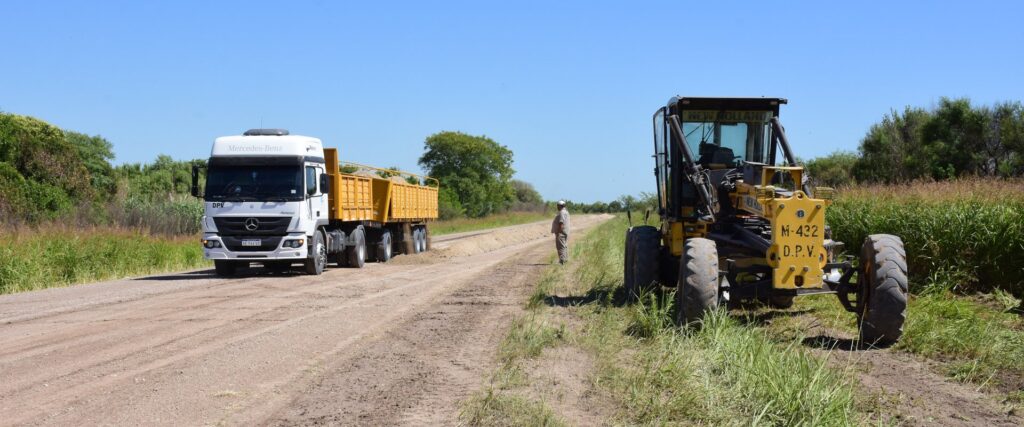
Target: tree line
(51, 174)
(476, 173)
(953, 139)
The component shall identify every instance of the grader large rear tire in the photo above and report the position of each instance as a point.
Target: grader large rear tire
(697, 289)
(883, 290)
(627, 267)
(646, 241)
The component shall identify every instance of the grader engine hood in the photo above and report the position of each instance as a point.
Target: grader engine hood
(797, 253)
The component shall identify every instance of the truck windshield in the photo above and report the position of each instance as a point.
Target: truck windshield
(254, 183)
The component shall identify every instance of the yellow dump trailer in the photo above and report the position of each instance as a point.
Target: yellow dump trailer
(391, 210)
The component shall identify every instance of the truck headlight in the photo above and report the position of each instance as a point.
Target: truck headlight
(210, 244)
(294, 243)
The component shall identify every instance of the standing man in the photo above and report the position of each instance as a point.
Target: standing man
(560, 228)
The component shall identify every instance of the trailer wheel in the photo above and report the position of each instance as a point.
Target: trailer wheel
(225, 268)
(697, 289)
(383, 249)
(318, 255)
(416, 241)
(882, 283)
(357, 253)
(646, 241)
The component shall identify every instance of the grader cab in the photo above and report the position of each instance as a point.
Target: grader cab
(740, 223)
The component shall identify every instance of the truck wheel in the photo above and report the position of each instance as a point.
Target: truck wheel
(416, 240)
(383, 250)
(882, 283)
(646, 241)
(357, 253)
(627, 267)
(224, 268)
(697, 289)
(318, 255)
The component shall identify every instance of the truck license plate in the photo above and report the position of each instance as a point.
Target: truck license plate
(252, 242)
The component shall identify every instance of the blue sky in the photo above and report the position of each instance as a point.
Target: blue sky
(568, 86)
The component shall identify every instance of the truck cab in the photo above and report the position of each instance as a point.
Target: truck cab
(264, 200)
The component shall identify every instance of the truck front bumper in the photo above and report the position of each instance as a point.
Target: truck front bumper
(221, 252)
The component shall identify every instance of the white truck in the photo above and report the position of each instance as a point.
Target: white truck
(281, 199)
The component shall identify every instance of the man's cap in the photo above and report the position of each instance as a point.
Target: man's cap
(561, 203)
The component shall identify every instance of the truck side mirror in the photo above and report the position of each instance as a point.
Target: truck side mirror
(195, 182)
(325, 183)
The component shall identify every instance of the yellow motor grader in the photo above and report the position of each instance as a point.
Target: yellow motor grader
(740, 223)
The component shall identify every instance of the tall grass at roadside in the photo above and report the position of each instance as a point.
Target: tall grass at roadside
(965, 235)
(492, 221)
(980, 341)
(56, 256)
(723, 372)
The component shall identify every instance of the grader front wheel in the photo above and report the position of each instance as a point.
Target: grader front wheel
(697, 289)
(883, 290)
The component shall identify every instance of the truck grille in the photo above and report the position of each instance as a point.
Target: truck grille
(267, 244)
(252, 225)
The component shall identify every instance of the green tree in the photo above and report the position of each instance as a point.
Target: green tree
(160, 180)
(526, 197)
(41, 153)
(96, 154)
(1005, 140)
(448, 206)
(833, 170)
(954, 139)
(476, 169)
(892, 150)
(525, 193)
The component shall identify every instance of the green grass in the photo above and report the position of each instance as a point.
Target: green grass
(490, 408)
(31, 260)
(493, 221)
(528, 336)
(723, 372)
(981, 343)
(653, 372)
(55, 256)
(978, 340)
(966, 234)
(964, 241)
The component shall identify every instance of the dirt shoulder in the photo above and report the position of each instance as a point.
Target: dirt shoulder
(394, 343)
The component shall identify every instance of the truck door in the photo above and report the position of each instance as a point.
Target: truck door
(316, 198)
(311, 191)
(321, 207)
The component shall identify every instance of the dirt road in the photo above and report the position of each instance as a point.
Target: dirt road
(396, 343)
